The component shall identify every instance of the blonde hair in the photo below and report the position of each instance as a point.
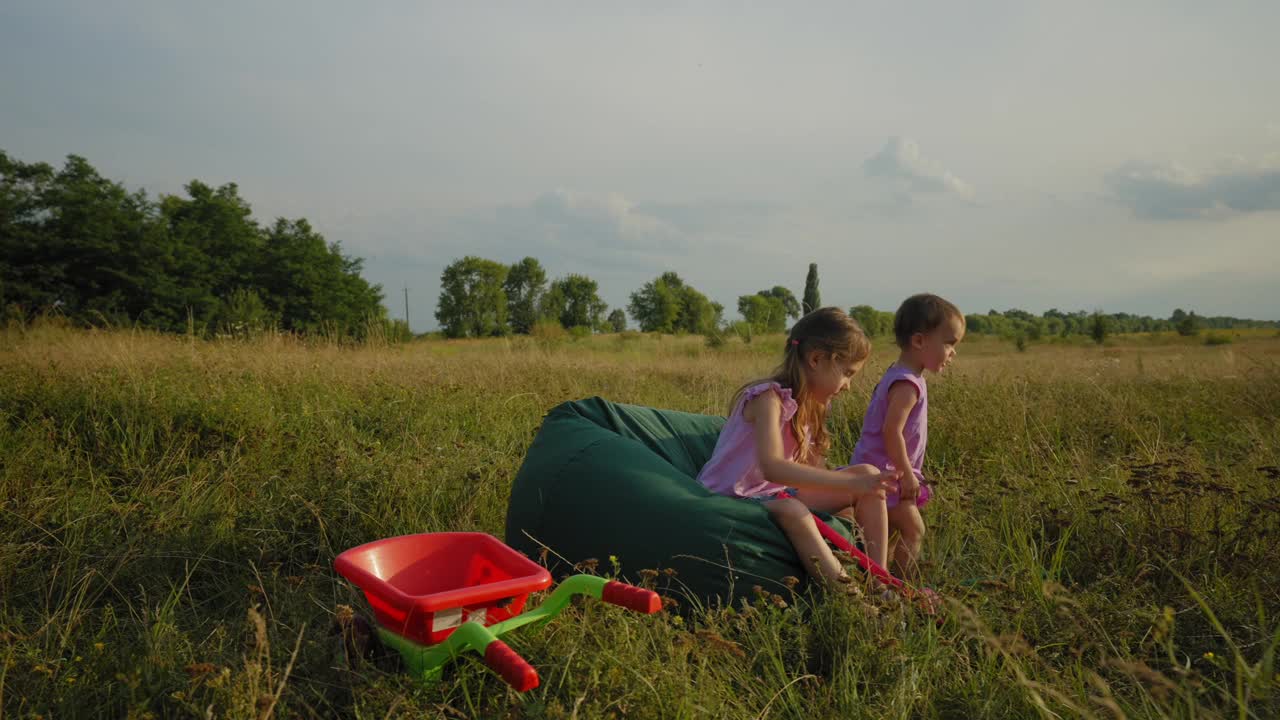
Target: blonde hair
(828, 330)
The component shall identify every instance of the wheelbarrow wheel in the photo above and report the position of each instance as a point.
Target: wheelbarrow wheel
(359, 645)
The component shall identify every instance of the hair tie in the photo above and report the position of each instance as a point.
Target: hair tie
(795, 342)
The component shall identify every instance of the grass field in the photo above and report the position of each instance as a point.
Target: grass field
(1107, 531)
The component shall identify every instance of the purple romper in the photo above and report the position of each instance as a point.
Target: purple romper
(870, 448)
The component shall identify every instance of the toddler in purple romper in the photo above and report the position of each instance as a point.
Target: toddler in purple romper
(870, 448)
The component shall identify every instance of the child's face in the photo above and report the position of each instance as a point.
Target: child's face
(937, 348)
(829, 375)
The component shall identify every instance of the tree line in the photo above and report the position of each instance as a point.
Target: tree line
(75, 242)
(1017, 324)
(481, 298)
(82, 245)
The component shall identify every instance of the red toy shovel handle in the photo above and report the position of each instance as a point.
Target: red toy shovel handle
(506, 662)
(631, 597)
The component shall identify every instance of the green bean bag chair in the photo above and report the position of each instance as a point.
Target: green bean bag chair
(618, 483)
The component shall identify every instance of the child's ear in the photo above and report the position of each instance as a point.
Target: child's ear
(917, 340)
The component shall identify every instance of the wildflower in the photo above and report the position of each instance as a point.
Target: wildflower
(1209, 656)
(791, 581)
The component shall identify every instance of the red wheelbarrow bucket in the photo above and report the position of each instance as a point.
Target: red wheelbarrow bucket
(423, 587)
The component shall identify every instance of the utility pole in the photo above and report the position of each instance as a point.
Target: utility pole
(406, 306)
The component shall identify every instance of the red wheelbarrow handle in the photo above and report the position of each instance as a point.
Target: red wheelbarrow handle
(507, 662)
(631, 597)
(865, 562)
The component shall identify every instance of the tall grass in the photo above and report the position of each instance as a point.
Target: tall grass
(1105, 533)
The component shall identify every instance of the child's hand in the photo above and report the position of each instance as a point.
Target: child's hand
(908, 486)
(876, 484)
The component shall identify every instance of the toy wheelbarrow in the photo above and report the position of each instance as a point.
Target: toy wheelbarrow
(437, 595)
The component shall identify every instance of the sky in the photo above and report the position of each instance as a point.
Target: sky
(1122, 157)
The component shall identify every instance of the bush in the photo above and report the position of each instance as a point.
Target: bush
(578, 332)
(1217, 339)
(548, 332)
(716, 339)
(742, 329)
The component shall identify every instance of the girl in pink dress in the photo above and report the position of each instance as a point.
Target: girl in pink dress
(773, 447)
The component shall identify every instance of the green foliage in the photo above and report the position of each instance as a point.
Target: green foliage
(573, 301)
(764, 313)
(1188, 325)
(812, 298)
(243, 314)
(742, 329)
(74, 240)
(617, 320)
(472, 302)
(1217, 339)
(667, 304)
(549, 332)
(525, 284)
(309, 283)
(789, 301)
(1098, 328)
(716, 339)
(874, 322)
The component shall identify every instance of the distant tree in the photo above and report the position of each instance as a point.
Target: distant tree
(870, 320)
(73, 238)
(77, 240)
(574, 301)
(526, 281)
(763, 313)
(656, 305)
(812, 299)
(1098, 327)
(977, 324)
(1188, 324)
(617, 321)
(789, 301)
(472, 302)
(307, 284)
(667, 304)
(215, 249)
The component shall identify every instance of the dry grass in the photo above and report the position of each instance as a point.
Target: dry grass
(1106, 531)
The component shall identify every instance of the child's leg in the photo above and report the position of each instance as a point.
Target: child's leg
(797, 523)
(868, 511)
(905, 519)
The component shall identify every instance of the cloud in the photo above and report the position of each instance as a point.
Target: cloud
(602, 219)
(900, 162)
(1173, 192)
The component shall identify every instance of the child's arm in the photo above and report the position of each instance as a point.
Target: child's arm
(902, 397)
(764, 412)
